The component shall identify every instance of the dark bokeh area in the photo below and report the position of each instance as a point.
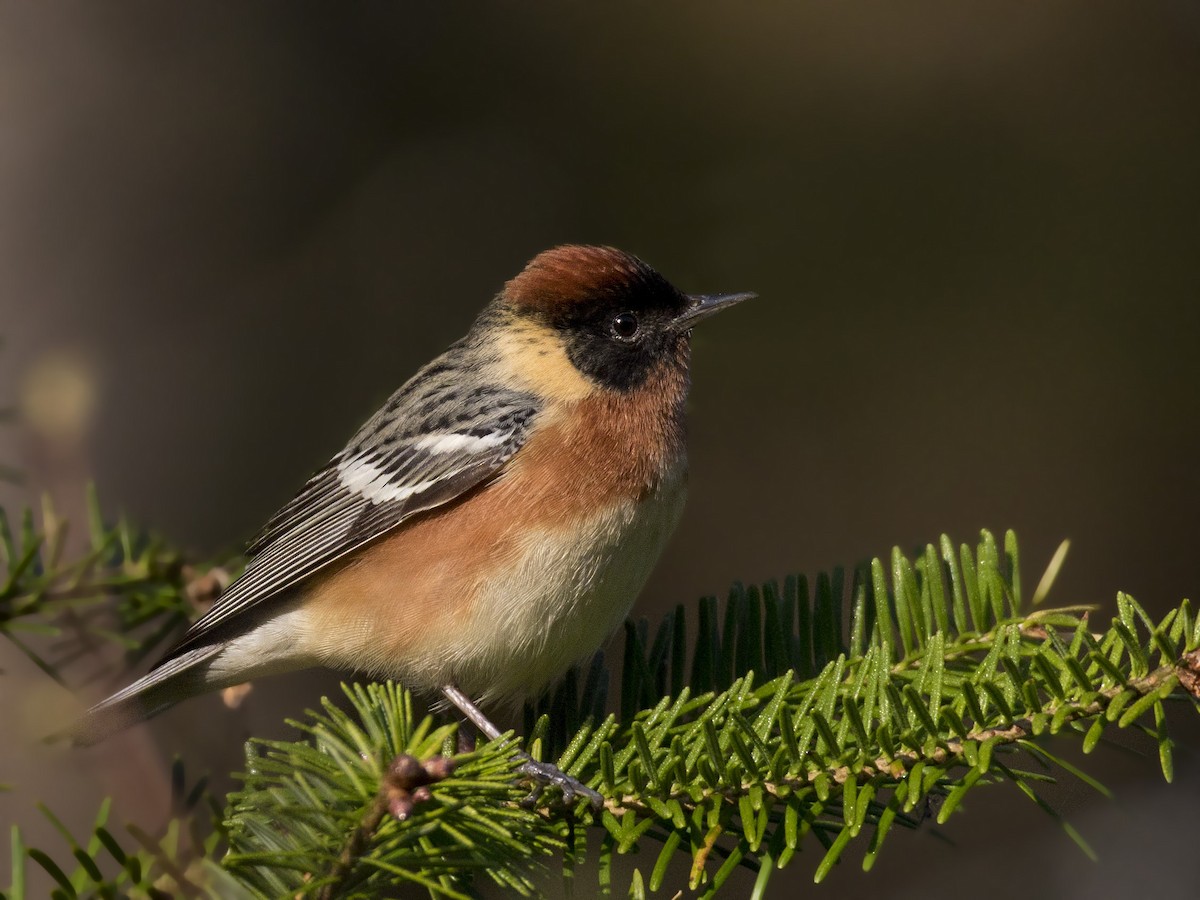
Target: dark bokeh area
(227, 232)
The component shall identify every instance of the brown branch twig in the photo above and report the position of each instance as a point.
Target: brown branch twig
(404, 785)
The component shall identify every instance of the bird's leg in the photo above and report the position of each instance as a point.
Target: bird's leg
(540, 773)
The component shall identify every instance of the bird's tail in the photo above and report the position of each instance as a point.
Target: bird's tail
(176, 679)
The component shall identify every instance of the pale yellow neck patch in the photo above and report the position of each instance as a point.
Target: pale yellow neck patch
(534, 358)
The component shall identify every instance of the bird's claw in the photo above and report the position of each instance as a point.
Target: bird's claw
(542, 774)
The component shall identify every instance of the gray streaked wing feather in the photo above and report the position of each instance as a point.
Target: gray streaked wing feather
(395, 467)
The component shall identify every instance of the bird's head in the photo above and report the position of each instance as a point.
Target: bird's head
(612, 318)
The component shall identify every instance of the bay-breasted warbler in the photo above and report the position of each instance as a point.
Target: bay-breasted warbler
(491, 524)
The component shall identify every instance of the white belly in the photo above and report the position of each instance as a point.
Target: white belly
(562, 598)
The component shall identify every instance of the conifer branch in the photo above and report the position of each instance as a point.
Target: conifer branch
(127, 588)
(780, 717)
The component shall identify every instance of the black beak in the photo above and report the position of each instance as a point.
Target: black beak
(704, 305)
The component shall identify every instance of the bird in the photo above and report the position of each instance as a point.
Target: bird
(490, 525)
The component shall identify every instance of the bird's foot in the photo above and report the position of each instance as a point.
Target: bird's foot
(543, 774)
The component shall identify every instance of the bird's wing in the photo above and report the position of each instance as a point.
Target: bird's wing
(409, 458)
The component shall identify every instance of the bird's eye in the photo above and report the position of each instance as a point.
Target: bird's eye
(625, 326)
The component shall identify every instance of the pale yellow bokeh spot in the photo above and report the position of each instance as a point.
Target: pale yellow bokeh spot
(58, 397)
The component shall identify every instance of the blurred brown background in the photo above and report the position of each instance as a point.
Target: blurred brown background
(228, 231)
